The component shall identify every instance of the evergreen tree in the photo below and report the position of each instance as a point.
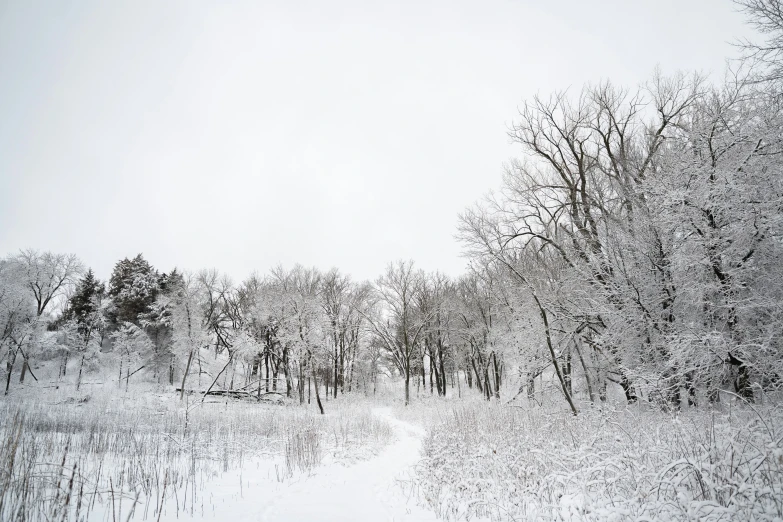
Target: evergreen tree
(86, 300)
(170, 283)
(157, 322)
(133, 287)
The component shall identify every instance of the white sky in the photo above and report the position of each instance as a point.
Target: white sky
(239, 135)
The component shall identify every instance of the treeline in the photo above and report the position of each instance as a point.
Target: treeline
(291, 331)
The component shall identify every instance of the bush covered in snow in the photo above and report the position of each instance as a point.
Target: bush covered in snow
(507, 463)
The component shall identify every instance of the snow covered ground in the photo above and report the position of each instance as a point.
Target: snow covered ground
(373, 490)
(147, 456)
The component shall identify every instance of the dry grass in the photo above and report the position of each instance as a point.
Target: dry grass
(508, 463)
(70, 460)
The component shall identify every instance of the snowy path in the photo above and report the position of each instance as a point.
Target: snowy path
(368, 491)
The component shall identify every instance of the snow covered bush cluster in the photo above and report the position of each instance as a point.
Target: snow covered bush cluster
(507, 463)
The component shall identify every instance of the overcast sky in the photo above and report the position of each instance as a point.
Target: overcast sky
(240, 135)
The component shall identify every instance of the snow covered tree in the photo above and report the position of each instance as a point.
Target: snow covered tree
(395, 320)
(134, 351)
(48, 275)
(18, 314)
(189, 330)
(301, 327)
(86, 300)
(133, 288)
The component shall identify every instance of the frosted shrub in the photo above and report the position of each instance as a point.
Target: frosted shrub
(505, 464)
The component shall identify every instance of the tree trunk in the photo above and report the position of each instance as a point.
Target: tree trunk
(432, 369)
(407, 383)
(266, 367)
(487, 383)
(567, 371)
(478, 375)
(300, 383)
(63, 365)
(79, 378)
(24, 371)
(628, 388)
(341, 375)
(742, 382)
(317, 393)
(9, 366)
(588, 380)
(498, 377)
(443, 371)
(185, 375)
(548, 336)
(423, 380)
(287, 374)
(336, 357)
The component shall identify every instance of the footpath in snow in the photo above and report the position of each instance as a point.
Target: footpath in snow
(373, 490)
(369, 491)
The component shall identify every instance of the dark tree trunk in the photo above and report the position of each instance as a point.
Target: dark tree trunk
(742, 382)
(487, 383)
(336, 377)
(185, 375)
(478, 375)
(628, 388)
(567, 372)
(442, 369)
(317, 393)
(79, 378)
(432, 369)
(407, 383)
(497, 370)
(9, 366)
(588, 380)
(690, 388)
(266, 367)
(300, 383)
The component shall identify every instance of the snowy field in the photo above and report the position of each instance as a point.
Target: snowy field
(143, 456)
(104, 455)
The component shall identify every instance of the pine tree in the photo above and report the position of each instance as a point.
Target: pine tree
(133, 287)
(86, 300)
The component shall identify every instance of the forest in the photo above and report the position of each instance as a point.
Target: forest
(613, 350)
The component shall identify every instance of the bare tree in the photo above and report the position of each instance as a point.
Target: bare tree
(49, 275)
(396, 321)
(767, 17)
